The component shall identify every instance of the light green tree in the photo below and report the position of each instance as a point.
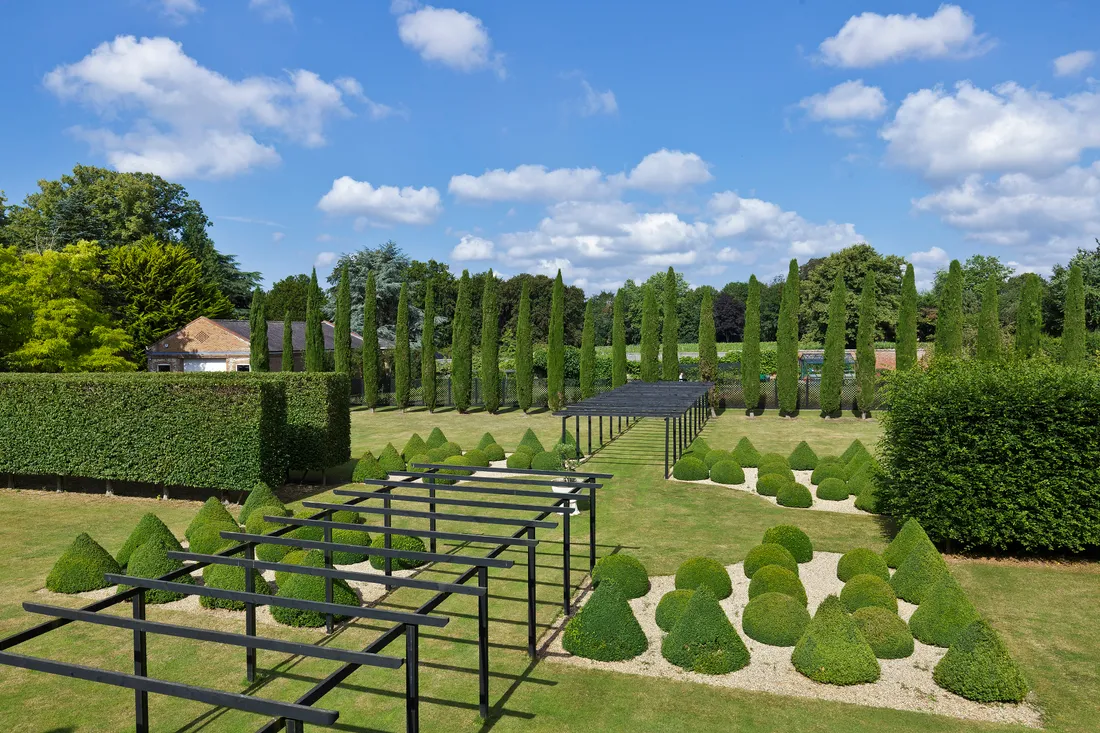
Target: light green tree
(461, 355)
(259, 356)
(618, 342)
(342, 324)
(865, 346)
(949, 318)
(524, 371)
(651, 367)
(555, 340)
(787, 344)
(371, 352)
(1073, 327)
(989, 322)
(427, 349)
(401, 357)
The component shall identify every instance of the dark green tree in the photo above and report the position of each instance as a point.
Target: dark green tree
(289, 295)
(950, 316)
(461, 357)
(401, 358)
(989, 321)
(651, 367)
(588, 353)
(315, 339)
(905, 350)
(670, 336)
(555, 341)
(1073, 325)
(787, 345)
(708, 349)
(865, 346)
(490, 344)
(427, 349)
(750, 349)
(1029, 317)
(372, 356)
(525, 377)
(618, 343)
(852, 263)
(832, 371)
(287, 363)
(341, 324)
(258, 353)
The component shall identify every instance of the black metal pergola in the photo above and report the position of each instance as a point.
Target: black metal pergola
(684, 406)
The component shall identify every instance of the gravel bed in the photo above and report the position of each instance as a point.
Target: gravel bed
(847, 506)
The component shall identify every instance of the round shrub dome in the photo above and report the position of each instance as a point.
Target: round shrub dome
(494, 452)
(418, 460)
(349, 537)
(918, 573)
(716, 455)
(206, 539)
(774, 469)
(261, 495)
(452, 448)
(547, 461)
(884, 631)
(520, 459)
(978, 667)
(228, 577)
(690, 469)
(624, 570)
(452, 460)
(868, 590)
(486, 440)
(795, 540)
(826, 470)
(802, 458)
(477, 457)
(746, 454)
(861, 561)
(832, 489)
(707, 573)
(671, 608)
(832, 650)
(438, 455)
(775, 619)
(81, 567)
(774, 458)
(769, 553)
(265, 552)
(310, 588)
(943, 614)
(794, 495)
(397, 542)
(151, 561)
(771, 484)
(911, 535)
(604, 628)
(309, 558)
(704, 640)
(212, 511)
(150, 526)
(727, 472)
(776, 579)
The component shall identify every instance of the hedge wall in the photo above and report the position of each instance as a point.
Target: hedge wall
(318, 419)
(1003, 456)
(217, 431)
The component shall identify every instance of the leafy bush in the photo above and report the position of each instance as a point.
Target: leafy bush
(861, 561)
(147, 528)
(690, 469)
(868, 590)
(700, 446)
(918, 573)
(794, 495)
(671, 607)
(704, 572)
(397, 542)
(310, 588)
(531, 442)
(390, 460)
(884, 631)
(856, 448)
(228, 577)
(349, 537)
(775, 618)
(867, 500)
(368, 467)
(81, 567)
(771, 484)
(264, 551)
(212, 512)
(309, 558)
(802, 458)
(777, 458)
(151, 561)
(519, 459)
(943, 614)
(769, 553)
(978, 667)
(704, 640)
(477, 457)
(207, 538)
(992, 455)
(414, 446)
(715, 455)
(727, 472)
(261, 495)
(794, 539)
(436, 438)
(605, 629)
(547, 461)
(494, 453)
(827, 470)
(624, 570)
(486, 440)
(773, 469)
(439, 455)
(832, 489)
(452, 461)
(451, 448)
(746, 454)
(832, 650)
(317, 434)
(911, 535)
(777, 579)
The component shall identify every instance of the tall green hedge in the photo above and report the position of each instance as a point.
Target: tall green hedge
(618, 342)
(670, 331)
(401, 355)
(461, 355)
(555, 339)
(427, 349)
(996, 455)
(490, 344)
(318, 420)
(651, 368)
(950, 315)
(588, 353)
(865, 346)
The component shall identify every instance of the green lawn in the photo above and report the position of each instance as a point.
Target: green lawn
(1047, 613)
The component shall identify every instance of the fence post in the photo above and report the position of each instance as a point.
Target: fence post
(141, 697)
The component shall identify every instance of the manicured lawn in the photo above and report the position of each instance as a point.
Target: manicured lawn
(1047, 613)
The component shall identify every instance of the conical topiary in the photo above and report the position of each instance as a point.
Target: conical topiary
(832, 650)
(704, 640)
(368, 467)
(81, 567)
(867, 499)
(899, 548)
(486, 441)
(228, 577)
(746, 454)
(978, 667)
(531, 443)
(605, 629)
(884, 630)
(856, 448)
(309, 558)
(207, 538)
(943, 614)
(435, 439)
(802, 458)
(918, 573)
(151, 561)
(414, 446)
(699, 446)
(147, 528)
(212, 512)
(260, 495)
(390, 460)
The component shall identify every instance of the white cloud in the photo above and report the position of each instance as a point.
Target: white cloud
(385, 204)
(925, 265)
(179, 11)
(325, 259)
(669, 170)
(871, 39)
(324, 237)
(277, 237)
(272, 10)
(671, 259)
(451, 37)
(472, 248)
(377, 110)
(188, 120)
(531, 183)
(597, 103)
(1073, 63)
(765, 225)
(850, 100)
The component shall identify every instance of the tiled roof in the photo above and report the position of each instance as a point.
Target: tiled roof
(298, 334)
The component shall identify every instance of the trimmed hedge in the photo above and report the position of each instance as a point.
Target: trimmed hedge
(368, 467)
(911, 535)
(494, 453)
(867, 500)
(919, 573)
(309, 558)
(671, 607)
(437, 455)
(715, 455)
(704, 640)
(868, 590)
(81, 567)
(261, 495)
(151, 561)
(454, 460)
(690, 469)
(771, 484)
(531, 442)
(832, 650)
(211, 512)
(436, 438)
(827, 470)
(794, 539)
(802, 458)
(978, 667)
(268, 552)
(832, 489)
(311, 588)
(476, 457)
(700, 446)
(885, 632)
(855, 448)
(861, 561)
(228, 577)
(397, 542)
(626, 571)
(776, 579)
(414, 446)
(777, 458)
(547, 461)
(727, 472)
(486, 440)
(349, 537)
(775, 619)
(746, 454)
(794, 495)
(769, 553)
(605, 629)
(774, 469)
(207, 538)
(318, 419)
(390, 460)
(148, 527)
(704, 572)
(519, 459)
(943, 614)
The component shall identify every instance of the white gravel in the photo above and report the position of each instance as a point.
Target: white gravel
(905, 684)
(846, 506)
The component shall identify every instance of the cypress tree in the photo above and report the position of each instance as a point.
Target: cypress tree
(989, 322)
(787, 344)
(1073, 326)
(315, 339)
(490, 344)
(865, 345)
(650, 366)
(670, 337)
(259, 357)
(708, 349)
(401, 358)
(427, 349)
(832, 371)
(618, 342)
(342, 324)
(905, 351)
(949, 319)
(1029, 318)
(524, 375)
(588, 353)
(555, 340)
(371, 355)
(287, 364)
(461, 358)
(750, 349)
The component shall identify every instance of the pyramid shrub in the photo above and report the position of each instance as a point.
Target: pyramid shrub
(918, 573)
(604, 628)
(771, 484)
(228, 577)
(390, 460)
(486, 440)
(861, 561)
(494, 452)
(148, 527)
(943, 614)
(978, 667)
(310, 588)
(626, 571)
(671, 607)
(397, 542)
(856, 448)
(827, 470)
(547, 461)
(414, 446)
(727, 472)
(715, 455)
(776, 579)
(704, 572)
(349, 537)
(910, 536)
(775, 619)
(868, 590)
(211, 511)
(832, 650)
(769, 553)
(700, 446)
(207, 539)
(884, 631)
(151, 561)
(795, 540)
(309, 558)
(81, 567)
(690, 469)
(802, 458)
(260, 495)
(832, 489)
(704, 640)
(531, 442)
(774, 458)
(746, 454)
(368, 467)
(435, 439)
(519, 459)
(794, 495)
(862, 462)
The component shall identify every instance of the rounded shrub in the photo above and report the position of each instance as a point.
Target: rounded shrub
(918, 573)
(148, 527)
(265, 552)
(567, 451)
(207, 539)
(414, 446)
(776, 579)
(794, 495)
(531, 443)
(438, 455)
(81, 567)
(309, 558)
(260, 495)
(494, 452)
(604, 628)
(417, 461)
(519, 459)
(832, 650)
(943, 614)
(690, 469)
(978, 667)
(770, 484)
(477, 457)
(861, 561)
(349, 537)
(868, 590)
(671, 608)
(368, 467)
(390, 460)
(699, 446)
(704, 640)
(452, 448)
(397, 542)
(212, 511)
(802, 458)
(727, 472)
(867, 499)
(827, 470)
(310, 588)
(624, 570)
(452, 460)
(228, 577)
(773, 469)
(775, 619)
(884, 631)
(769, 553)
(436, 438)
(794, 539)
(347, 516)
(911, 535)
(486, 440)
(151, 561)
(704, 572)
(832, 489)
(715, 455)
(547, 461)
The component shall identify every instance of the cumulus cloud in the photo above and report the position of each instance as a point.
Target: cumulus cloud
(850, 100)
(447, 36)
(596, 102)
(325, 259)
(472, 248)
(1073, 63)
(925, 265)
(384, 204)
(763, 225)
(669, 170)
(870, 39)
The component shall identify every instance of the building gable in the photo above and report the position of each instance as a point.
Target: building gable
(201, 336)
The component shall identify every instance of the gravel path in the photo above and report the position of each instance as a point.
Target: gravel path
(847, 506)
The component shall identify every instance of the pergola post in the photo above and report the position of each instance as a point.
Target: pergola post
(141, 697)
(577, 435)
(666, 447)
(589, 435)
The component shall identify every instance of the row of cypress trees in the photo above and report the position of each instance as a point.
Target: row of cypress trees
(259, 349)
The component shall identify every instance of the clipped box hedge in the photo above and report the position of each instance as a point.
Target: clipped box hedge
(318, 418)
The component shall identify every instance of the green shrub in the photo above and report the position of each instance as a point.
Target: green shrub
(151, 561)
(624, 570)
(416, 463)
(207, 538)
(451, 448)
(867, 500)
(390, 460)
(528, 450)
(486, 440)
(773, 469)
(861, 561)
(368, 467)
(856, 448)
(775, 618)
(477, 457)
(414, 446)
(211, 512)
(452, 461)
(746, 454)
(311, 588)
(81, 567)
(309, 558)
(349, 537)
(802, 458)
(547, 461)
(826, 460)
(794, 539)
(715, 455)
(978, 667)
(604, 629)
(306, 532)
(884, 631)
(727, 472)
(494, 453)
(690, 469)
(266, 552)
(346, 516)
(911, 535)
(943, 614)
(436, 438)
(832, 650)
(827, 470)
(397, 542)
(868, 590)
(769, 553)
(260, 495)
(704, 572)
(147, 528)
(531, 442)
(776, 579)
(771, 484)
(671, 607)
(519, 459)
(918, 573)
(704, 640)
(700, 446)
(317, 434)
(439, 455)
(832, 489)
(228, 577)
(794, 495)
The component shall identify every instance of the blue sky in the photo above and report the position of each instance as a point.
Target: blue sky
(609, 139)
